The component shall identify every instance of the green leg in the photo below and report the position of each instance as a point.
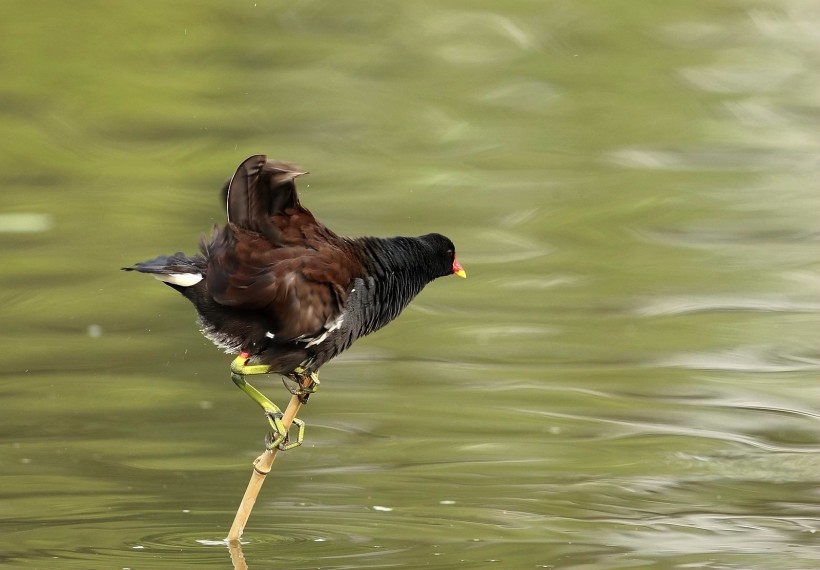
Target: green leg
(278, 438)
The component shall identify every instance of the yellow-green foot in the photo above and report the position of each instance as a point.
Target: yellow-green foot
(278, 438)
(274, 441)
(300, 384)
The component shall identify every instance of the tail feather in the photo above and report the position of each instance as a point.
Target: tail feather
(259, 189)
(177, 270)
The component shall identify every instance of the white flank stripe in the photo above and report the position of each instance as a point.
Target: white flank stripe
(337, 324)
(316, 341)
(180, 279)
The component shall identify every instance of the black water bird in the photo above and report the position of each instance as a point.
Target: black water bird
(284, 291)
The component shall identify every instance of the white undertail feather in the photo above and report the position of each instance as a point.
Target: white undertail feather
(179, 279)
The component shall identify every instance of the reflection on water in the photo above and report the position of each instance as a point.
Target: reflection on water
(627, 379)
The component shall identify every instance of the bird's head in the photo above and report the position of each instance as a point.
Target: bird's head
(445, 255)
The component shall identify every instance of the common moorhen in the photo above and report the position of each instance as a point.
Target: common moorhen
(285, 292)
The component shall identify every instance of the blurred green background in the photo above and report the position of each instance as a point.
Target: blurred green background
(627, 379)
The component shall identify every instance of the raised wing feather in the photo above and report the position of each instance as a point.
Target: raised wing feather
(274, 258)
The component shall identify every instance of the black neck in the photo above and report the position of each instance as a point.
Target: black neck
(397, 269)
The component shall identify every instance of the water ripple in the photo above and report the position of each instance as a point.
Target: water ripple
(636, 428)
(499, 246)
(478, 38)
(704, 532)
(710, 237)
(684, 304)
(706, 159)
(747, 359)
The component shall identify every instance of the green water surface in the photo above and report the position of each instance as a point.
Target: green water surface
(627, 379)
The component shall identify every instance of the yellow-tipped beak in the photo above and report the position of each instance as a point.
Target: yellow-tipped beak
(459, 270)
